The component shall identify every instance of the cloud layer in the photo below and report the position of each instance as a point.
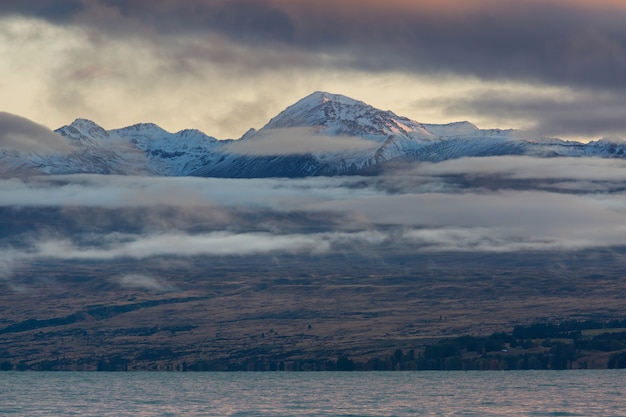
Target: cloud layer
(22, 135)
(496, 204)
(295, 140)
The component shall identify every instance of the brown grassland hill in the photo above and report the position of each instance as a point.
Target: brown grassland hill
(293, 312)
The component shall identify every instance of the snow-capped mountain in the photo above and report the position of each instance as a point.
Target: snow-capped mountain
(322, 134)
(170, 153)
(336, 115)
(391, 137)
(142, 148)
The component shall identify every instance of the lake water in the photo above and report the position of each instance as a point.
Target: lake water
(526, 393)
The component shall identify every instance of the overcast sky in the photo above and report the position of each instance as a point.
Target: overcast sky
(223, 66)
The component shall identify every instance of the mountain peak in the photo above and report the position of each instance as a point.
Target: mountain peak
(85, 124)
(335, 114)
(84, 127)
(319, 109)
(144, 128)
(323, 97)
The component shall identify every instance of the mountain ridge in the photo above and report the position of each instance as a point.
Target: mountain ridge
(369, 139)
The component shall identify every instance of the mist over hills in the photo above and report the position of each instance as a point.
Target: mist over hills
(322, 134)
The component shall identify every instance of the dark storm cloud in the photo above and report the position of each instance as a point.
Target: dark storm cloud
(560, 42)
(523, 40)
(53, 10)
(585, 113)
(256, 20)
(249, 20)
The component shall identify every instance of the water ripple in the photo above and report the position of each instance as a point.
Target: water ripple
(399, 394)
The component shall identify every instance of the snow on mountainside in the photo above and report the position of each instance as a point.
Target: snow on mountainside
(141, 149)
(395, 137)
(95, 146)
(374, 137)
(341, 115)
(86, 155)
(170, 153)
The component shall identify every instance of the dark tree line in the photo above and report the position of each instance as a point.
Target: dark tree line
(537, 346)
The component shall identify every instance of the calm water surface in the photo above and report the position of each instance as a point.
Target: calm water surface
(527, 393)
